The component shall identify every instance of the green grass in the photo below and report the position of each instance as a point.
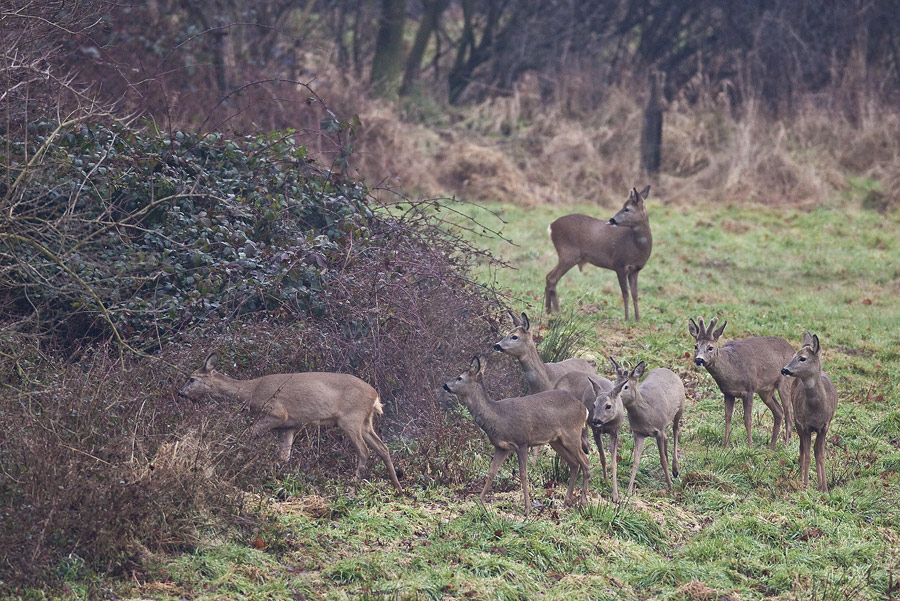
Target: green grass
(736, 526)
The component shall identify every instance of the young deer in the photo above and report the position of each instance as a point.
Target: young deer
(588, 387)
(651, 407)
(815, 400)
(605, 416)
(742, 368)
(622, 244)
(289, 401)
(540, 376)
(554, 417)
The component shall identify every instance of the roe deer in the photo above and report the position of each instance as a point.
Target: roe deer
(588, 388)
(622, 244)
(605, 416)
(742, 368)
(554, 417)
(540, 376)
(815, 400)
(289, 401)
(651, 406)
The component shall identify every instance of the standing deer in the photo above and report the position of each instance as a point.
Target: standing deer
(742, 368)
(622, 244)
(540, 376)
(289, 401)
(605, 416)
(554, 417)
(815, 400)
(651, 406)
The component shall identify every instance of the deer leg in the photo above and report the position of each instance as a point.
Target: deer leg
(614, 464)
(784, 394)
(662, 443)
(362, 451)
(747, 401)
(623, 285)
(373, 440)
(729, 412)
(819, 451)
(265, 424)
(805, 440)
(551, 300)
(585, 466)
(638, 449)
(598, 438)
(676, 429)
(499, 456)
(632, 281)
(768, 398)
(285, 440)
(523, 475)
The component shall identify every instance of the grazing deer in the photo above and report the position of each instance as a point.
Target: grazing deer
(540, 376)
(289, 401)
(651, 406)
(742, 368)
(815, 400)
(622, 244)
(554, 417)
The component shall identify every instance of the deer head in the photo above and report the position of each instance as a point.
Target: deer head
(806, 362)
(633, 211)
(706, 348)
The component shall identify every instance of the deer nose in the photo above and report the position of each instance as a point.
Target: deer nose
(786, 372)
(497, 347)
(447, 388)
(612, 221)
(700, 361)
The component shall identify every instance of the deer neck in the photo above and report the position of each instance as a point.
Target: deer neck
(481, 407)
(641, 234)
(231, 389)
(815, 388)
(535, 371)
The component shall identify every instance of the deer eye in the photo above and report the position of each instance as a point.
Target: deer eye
(608, 406)
(709, 348)
(458, 378)
(802, 358)
(192, 380)
(514, 337)
(625, 387)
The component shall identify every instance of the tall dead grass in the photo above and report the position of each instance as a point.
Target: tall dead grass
(523, 150)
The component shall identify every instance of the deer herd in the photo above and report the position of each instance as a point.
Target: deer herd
(568, 400)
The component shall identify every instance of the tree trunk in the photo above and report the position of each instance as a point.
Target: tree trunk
(430, 20)
(388, 61)
(651, 132)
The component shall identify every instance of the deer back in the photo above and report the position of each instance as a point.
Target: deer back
(751, 364)
(661, 399)
(579, 383)
(582, 238)
(313, 397)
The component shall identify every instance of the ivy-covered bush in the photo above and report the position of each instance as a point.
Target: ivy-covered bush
(125, 232)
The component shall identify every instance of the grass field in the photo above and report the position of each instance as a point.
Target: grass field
(737, 525)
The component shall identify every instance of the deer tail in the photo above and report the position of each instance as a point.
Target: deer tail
(378, 408)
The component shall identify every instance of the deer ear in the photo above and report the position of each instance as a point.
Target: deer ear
(693, 329)
(719, 331)
(514, 319)
(526, 323)
(815, 345)
(209, 363)
(807, 339)
(633, 196)
(638, 370)
(615, 365)
(481, 364)
(645, 192)
(595, 388)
